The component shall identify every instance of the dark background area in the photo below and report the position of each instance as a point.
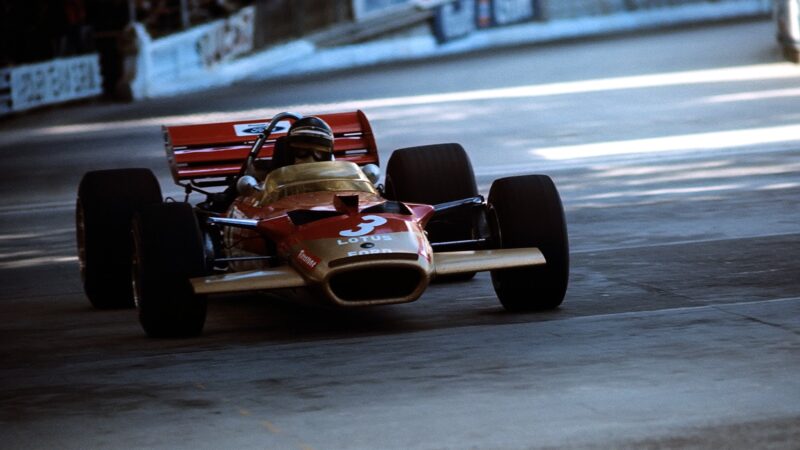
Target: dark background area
(40, 30)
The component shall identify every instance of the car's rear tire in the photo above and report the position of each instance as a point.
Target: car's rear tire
(433, 174)
(430, 174)
(168, 251)
(526, 211)
(107, 200)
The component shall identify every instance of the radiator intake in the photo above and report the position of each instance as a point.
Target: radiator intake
(377, 283)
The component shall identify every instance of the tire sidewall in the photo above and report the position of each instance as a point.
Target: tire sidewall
(526, 211)
(168, 251)
(107, 200)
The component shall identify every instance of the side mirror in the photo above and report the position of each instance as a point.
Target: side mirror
(247, 185)
(373, 172)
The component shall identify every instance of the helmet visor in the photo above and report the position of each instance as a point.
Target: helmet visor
(309, 149)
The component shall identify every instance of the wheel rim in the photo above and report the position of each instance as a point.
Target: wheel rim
(80, 230)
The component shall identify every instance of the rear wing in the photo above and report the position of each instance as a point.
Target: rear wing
(207, 154)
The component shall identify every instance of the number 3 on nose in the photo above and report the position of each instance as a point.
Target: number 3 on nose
(366, 227)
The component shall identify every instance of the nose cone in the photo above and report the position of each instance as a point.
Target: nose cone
(365, 259)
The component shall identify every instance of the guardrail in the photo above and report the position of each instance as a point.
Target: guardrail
(55, 81)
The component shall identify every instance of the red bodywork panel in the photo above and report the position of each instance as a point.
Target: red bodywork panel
(274, 221)
(275, 226)
(217, 150)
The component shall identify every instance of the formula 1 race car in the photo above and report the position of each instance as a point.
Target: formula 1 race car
(320, 231)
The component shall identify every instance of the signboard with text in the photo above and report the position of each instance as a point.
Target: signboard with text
(228, 38)
(454, 20)
(55, 81)
(458, 18)
(506, 12)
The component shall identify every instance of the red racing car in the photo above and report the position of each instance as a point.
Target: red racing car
(323, 230)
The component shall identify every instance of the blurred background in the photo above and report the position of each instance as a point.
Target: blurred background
(59, 50)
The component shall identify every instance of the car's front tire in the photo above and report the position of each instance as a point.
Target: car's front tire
(167, 252)
(526, 211)
(107, 201)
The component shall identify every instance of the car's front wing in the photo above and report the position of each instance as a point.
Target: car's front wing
(444, 263)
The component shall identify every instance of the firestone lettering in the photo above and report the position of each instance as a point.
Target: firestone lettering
(307, 260)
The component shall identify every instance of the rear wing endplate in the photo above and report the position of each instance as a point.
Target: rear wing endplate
(209, 153)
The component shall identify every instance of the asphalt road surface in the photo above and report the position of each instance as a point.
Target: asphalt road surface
(677, 154)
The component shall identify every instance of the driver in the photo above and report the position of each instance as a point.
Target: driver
(310, 139)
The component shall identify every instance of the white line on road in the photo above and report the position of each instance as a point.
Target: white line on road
(34, 207)
(696, 142)
(751, 96)
(716, 306)
(539, 164)
(756, 72)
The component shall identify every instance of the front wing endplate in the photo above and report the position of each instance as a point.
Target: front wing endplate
(448, 263)
(253, 280)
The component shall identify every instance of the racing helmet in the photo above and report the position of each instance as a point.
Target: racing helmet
(310, 139)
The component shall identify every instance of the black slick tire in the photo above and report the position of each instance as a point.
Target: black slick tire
(430, 174)
(107, 201)
(168, 251)
(526, 211)
(433, 174)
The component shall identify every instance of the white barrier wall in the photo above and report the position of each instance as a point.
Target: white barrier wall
(189, 54)
(45, 83)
